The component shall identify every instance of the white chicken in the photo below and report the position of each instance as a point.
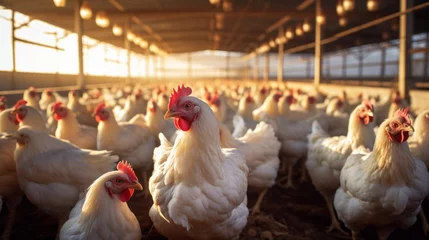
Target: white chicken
(29, 116)
(327, 155)
(134, 104)
(52, 172)
(31, 97)
(69, 129)
(198, 188)
(9, 187)
(260, 149)
(244, 119)
(8, 121)
(104, 213)
(383, 188)
(419, 141)
(46, 99)
(83, 116)
(131, 142)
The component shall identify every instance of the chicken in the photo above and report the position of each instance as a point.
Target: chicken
(9, 187)
(46, 99)
(8, 121)
(29, 116)
(133, 105)
(198, 188)
(51, 122)
(397, 103)
(83, 116)
(261, 95)
(244, 119)
(162, 102)
(419, 141)
(3, 104)
(69, 129)
(104, 213)
(52, 172)
(285, 110)
(154, 120)
(327, 155)
(383, 188)
(30, 96)
(260, 149)
(132, 142)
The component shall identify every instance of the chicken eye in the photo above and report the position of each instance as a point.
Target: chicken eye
(395, 125)
(119, 181)
(187, 106)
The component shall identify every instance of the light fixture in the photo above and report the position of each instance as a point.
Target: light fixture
(102, 20)
(283, 39)
(214, 2)
(278, 41)
(272, 43)
(306, 26)
(342, 21)
(153, 48)
(289, 34)
(320, 19)
(60, 3)
(219, 25)
(85, 11)
(219, 16)
(348, 5)
(395, 25)
(143, 44)
(298, 30)
(385, 36)
(216, 37)
(137, 40)
(131, 36)
(340, 8)
(227, 5)
(117, 30)
(372, 5)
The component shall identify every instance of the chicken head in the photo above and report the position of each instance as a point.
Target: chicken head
(123, 182)
(399, 126)
(184, 111)
(366, 114)
(59, 111)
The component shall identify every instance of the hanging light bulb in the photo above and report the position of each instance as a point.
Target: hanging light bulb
(385, 36)
(348, 5)
(306, 26)
(137, 40)
(216, 37)
(283, 39)
(272, 43)
(372, 5)
(219, 25)
(342, 21)
(299, 31)
(214, 2)
(153, 48)
(227, 5)
(85, 11)
(278, 40)
(102, 20)
(60, 3)
(289, 34)
(131, 36)
(320, 19)
(117, 30)
(340, 8)
(143, 44)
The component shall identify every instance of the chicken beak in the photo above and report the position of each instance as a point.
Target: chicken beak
(408, 128)
(370, 114)
(171, 114)
(136, 186)
(12, 136)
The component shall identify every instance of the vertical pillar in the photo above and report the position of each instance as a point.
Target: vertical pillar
(256, 69)
(267, 67)
(12, 84)
(383, 63)
(405, 34)
(360, 62)
(163, 68)
(147, 63)
(318, 48)
(155, 66)
(228, 58)
(344, 65)
(189, 66)
(328, 67)
(426, 58)
(280, 57)
(78, 26)
(128, 48)
(308, 68)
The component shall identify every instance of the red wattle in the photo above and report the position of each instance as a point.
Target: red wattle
(182, 124)
(57, 116)
(401, 137)
(20, 117)
(126, 195)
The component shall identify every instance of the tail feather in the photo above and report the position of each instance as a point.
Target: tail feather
(262, 139)
(317, 133)
(240, 127)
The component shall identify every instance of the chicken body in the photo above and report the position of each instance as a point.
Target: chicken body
(419, 142)
(83, 116)
(32, 98)
(129, 141)
(383, 188)
(52, 172)
(103, 214)
(327, 155)
(198, 189)
(29, 116)
(8, 121)
(46, 99)
(69, 129)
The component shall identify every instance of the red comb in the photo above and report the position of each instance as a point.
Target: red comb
(404, 114)
(311, 99)
(99, 107)
(126, 168)
(20, 103)
(215, 101)
(177, 95)
(2, 98)
(368, 105)
(56, 106)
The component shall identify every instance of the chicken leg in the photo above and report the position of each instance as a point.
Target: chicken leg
(335, 224)
(424, 221)
(257, 207)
